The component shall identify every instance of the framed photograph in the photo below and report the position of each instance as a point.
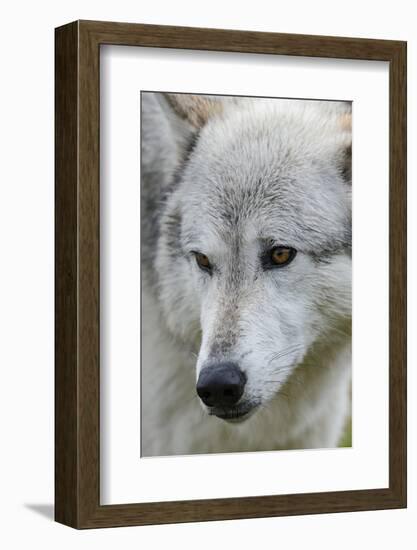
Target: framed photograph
(230, 274)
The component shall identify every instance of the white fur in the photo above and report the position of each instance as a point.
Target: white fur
(277, 167)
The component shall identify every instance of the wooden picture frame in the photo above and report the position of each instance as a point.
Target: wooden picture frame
(77, 374)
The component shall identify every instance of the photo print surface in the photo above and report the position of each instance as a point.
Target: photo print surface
(246, 274)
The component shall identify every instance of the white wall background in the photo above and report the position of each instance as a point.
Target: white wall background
(26, 272)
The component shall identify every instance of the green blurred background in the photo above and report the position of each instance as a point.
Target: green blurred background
(346, 440)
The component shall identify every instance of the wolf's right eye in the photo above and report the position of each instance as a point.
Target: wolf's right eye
(279, 256)
(202, 261)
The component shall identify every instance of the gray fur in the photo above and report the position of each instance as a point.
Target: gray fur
(256, 173)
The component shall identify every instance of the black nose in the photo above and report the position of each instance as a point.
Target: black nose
(221, 384)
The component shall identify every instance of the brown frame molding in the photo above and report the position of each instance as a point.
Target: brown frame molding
(77, 274)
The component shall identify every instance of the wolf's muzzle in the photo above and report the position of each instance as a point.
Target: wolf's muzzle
(221, 385)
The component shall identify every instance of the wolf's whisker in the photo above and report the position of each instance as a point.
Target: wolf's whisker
(285, 352)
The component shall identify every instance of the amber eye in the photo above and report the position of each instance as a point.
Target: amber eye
(202, 261)
(281, 255)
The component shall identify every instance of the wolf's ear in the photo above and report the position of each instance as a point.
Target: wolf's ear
(345, 161)
(188, 113)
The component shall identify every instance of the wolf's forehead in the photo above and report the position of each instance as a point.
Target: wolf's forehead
(278, 178)
(254, 177)
(282, 209)
(243, 200)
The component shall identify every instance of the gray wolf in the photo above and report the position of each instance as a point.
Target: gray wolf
(246, 273)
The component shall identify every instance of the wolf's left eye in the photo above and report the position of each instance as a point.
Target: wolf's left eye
(282, 255)
(202, 261)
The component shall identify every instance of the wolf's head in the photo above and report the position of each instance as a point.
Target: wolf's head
(254, 252)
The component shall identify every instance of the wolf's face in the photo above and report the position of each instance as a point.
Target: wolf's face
(254, 257)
